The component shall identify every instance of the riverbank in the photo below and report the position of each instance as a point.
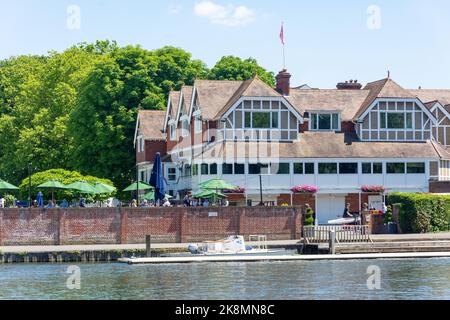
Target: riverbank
(412, 243)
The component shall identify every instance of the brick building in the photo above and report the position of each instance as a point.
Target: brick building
(336, 140)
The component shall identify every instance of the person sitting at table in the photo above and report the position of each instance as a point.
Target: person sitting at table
(347, 213)
(64, 204)
(51, 205)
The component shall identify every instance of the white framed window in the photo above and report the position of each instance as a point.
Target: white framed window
(198, 123)
(325, 122)
(172, 174)
(185, 127)
(173, 132)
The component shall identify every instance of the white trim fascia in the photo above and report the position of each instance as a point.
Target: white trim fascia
(166, 119)
(136, 130)
(279, 99)
(177, 119)
(440, 107)
(416, 100)
(191, 105)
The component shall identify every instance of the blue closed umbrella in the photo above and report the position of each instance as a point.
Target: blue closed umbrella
(40, 199)
(157, 178)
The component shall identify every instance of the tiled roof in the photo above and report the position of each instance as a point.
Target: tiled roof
(250, 88)
(346, 101)
(427, 95)
(175, 101)
(213, 95)
(329, 146)
(385, 88)
(187, 95)
(151, 123)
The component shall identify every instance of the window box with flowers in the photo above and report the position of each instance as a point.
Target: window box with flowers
(373, 189)
(235, 191)
(305, 189)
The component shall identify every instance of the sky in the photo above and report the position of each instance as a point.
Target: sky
(327, 41)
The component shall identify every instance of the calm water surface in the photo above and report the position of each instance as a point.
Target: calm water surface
(400, 279)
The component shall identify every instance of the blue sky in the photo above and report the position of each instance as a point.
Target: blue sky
(326, 41)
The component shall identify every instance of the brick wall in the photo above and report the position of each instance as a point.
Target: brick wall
(127, 225)
(440, 186)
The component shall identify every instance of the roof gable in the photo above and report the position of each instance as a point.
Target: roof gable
(385, 88)
(150, 123)
(254, 87)
(212, 95)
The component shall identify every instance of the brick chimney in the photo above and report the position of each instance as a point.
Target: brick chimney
(349, 85)
(283, 82)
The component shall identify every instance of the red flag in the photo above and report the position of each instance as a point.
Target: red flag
(282, 34)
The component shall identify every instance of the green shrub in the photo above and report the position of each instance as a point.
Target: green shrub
(10, 201)
(422, 213)
(309, 219)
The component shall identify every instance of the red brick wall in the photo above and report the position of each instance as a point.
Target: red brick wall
(150, 150)
(347, 126)
(298, 199)
(126, 225)
(440, 186)
(304, 127)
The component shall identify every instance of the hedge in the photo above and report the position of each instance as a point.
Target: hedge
(422, 212)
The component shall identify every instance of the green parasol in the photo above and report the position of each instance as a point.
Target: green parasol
(217, 184)
(142, 186)
(209, 194)
(7, 186)
(82, 187)
(52, 185)
(102, 188)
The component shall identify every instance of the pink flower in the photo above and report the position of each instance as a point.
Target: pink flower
(373, 189)
(238, 190)
(304, 189)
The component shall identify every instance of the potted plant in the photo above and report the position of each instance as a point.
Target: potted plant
(372, 189)
(305, 189)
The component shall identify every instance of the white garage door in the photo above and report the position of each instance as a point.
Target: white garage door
(330, 207)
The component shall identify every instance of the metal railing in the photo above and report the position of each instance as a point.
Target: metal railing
(344, 234)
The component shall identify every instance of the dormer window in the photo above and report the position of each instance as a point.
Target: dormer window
(185, 126)
(325, 122)
(396, 120)
(198, 122)
(262, 120)
(173, 132)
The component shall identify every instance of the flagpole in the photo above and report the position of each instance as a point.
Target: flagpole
(284, 45)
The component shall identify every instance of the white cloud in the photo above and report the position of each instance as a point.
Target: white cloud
(226, 15)
(175, 9)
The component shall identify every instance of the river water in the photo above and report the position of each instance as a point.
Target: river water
(399, 279)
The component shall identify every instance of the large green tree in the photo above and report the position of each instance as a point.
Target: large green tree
(103, 123)
(77, 109)
(38, 95)
(235, 68)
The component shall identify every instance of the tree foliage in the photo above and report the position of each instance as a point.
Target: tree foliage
(77, 109)
(234, 68)
(65, 177)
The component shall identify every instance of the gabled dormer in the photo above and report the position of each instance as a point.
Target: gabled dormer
(256, 112)
(183, 110)
(392, 113)
(170, 123)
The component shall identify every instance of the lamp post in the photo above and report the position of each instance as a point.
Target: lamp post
(137, 185)
(29, 184)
